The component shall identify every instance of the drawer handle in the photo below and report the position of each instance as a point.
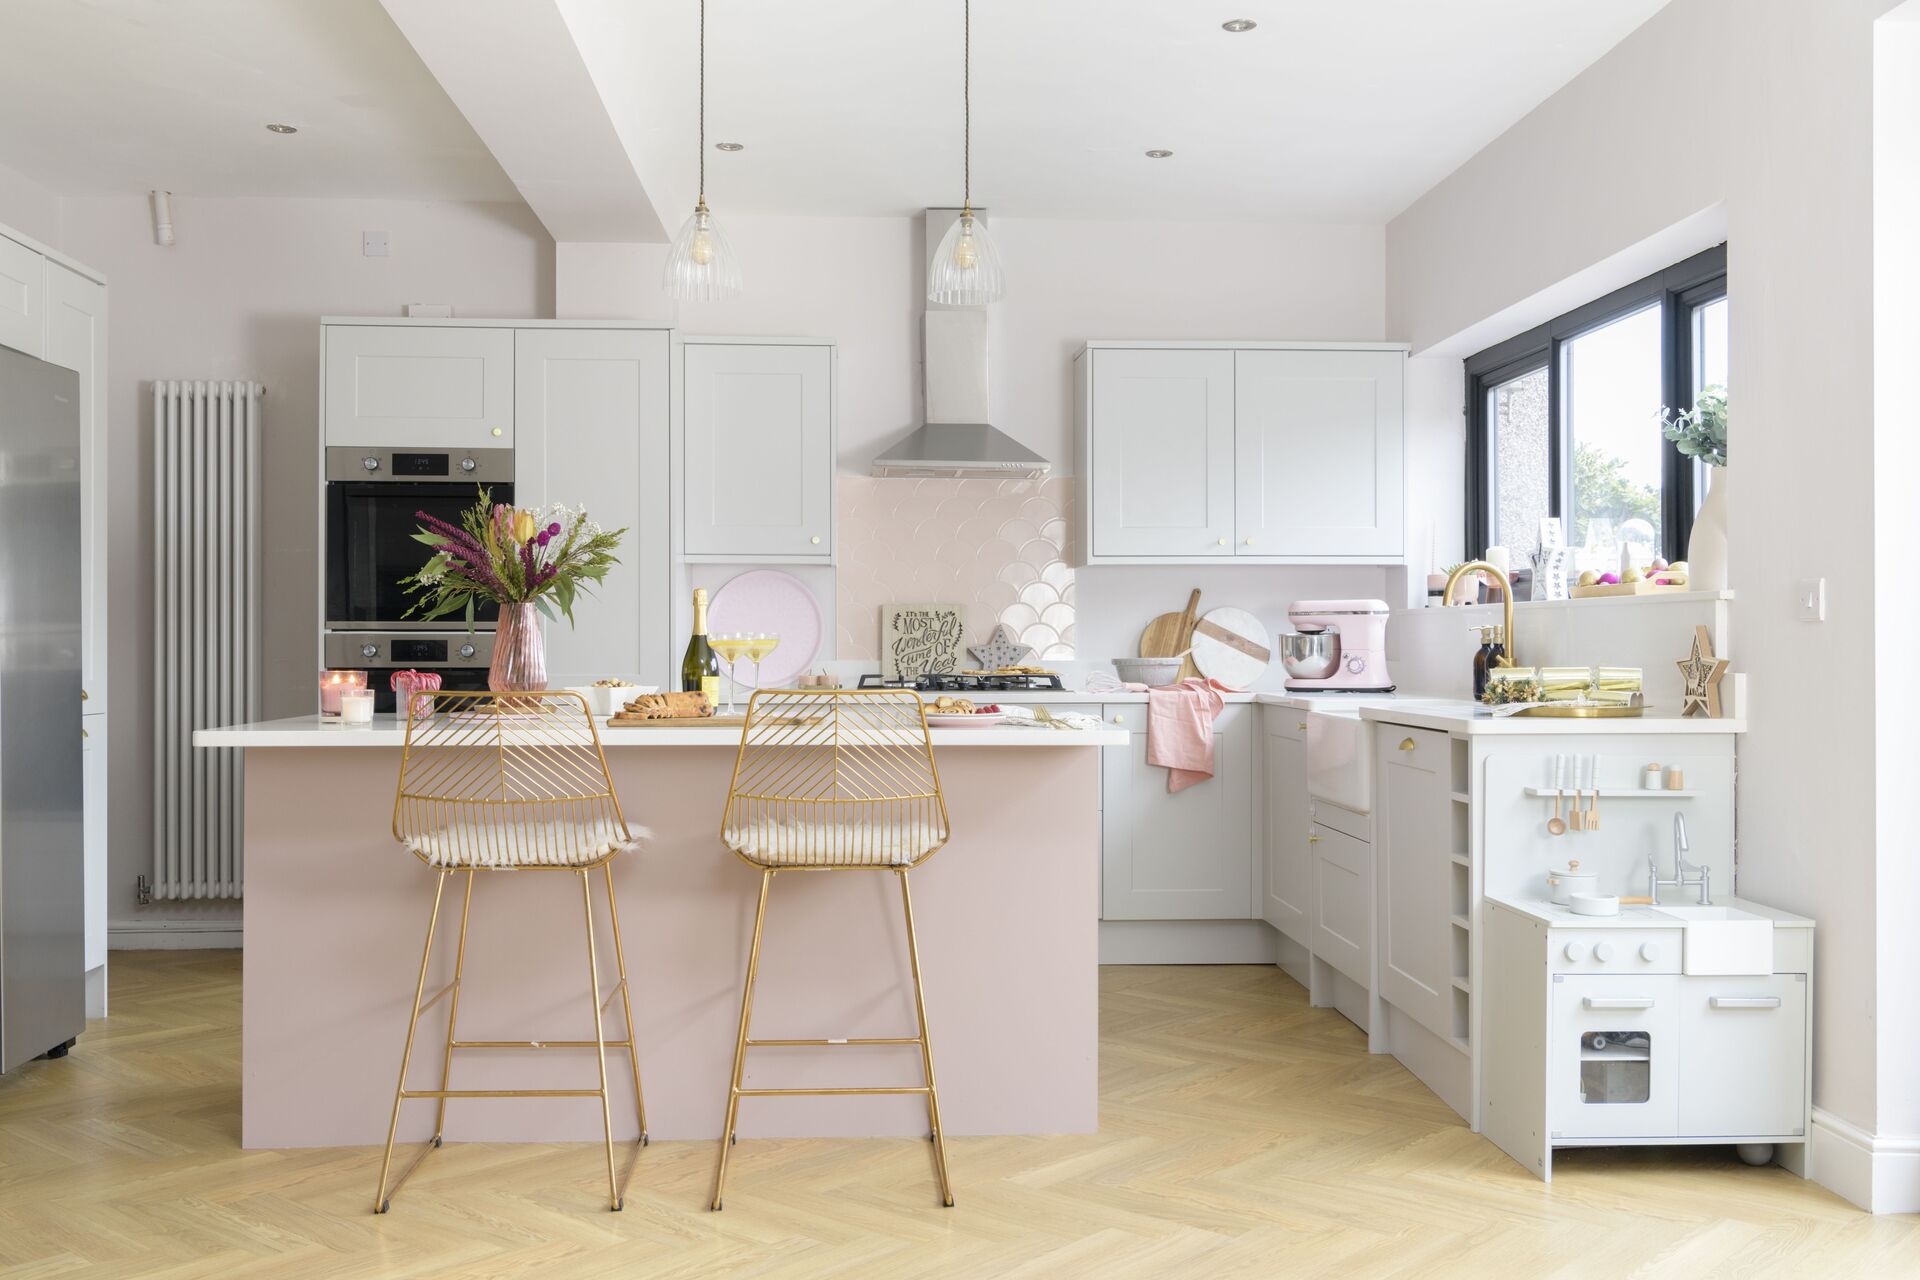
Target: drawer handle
(1406, 744)
(1313, 839)
(1618, 1002)
(1302, 726)
(816, 539)
(1744, 1002)
(1223, 542)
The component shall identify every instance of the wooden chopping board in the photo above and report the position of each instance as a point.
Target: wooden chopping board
(1232, 646)
(1172, 633)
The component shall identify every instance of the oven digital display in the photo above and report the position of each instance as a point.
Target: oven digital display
(419, 464)
(417, 650)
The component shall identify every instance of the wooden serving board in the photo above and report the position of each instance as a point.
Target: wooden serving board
(1172, 633)
(674, 722)
(1232, 646)
(1641, 588)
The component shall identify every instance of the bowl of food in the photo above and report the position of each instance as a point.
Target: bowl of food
(1155, 673)
(607, 695)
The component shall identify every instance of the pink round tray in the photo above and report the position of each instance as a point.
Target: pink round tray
(769, 600)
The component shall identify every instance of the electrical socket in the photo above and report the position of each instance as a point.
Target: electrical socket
(1810, 596)
(373, 244)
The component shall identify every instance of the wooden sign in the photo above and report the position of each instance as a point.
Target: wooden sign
(1701, 671)
(919, 639)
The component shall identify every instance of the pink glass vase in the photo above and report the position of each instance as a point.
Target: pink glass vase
(519, 651)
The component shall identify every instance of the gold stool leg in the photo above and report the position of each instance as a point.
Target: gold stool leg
(614, 1201)
(626, 1001)
(926, 1048)
(453, 1012)
(740, 1047)
(381, 1199)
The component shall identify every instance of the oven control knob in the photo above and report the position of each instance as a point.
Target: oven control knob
(1576, 951)
(468, 464)
(1603, 951)
(369, 650)
(467, 651)
(370, 462)
(1356, 664)
(1650, 951)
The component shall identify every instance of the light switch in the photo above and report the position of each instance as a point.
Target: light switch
(1811, 597)
(373, 244)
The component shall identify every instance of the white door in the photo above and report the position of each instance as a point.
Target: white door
(591, 411)
(1289, 891)
(1184, 856)
(400, 386)
(1612, 1063)
(759, 451)
(1318, 453)
(23, 284)
(77, 340)
(1743, 1056)
(1162, 453)
(1343, 903)
(1413, 819)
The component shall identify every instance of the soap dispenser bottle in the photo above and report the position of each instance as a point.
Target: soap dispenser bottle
(1482, 663)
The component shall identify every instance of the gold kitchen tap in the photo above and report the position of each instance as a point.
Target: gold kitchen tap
(1507, 658)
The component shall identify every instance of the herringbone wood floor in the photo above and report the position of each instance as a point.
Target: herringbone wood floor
(1242, 1134)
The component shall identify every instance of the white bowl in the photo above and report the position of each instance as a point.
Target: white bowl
(1595, 904)
(1155, 673)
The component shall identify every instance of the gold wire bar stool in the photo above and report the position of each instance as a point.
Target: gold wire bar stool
(511, 782)
(840, 781)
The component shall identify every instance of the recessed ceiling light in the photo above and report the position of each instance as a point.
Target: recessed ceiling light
(281, 128)
(729, 146)
(1158, 154)
(1237, 25)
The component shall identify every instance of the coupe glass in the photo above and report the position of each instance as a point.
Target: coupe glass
(731, 646)
(759, 645)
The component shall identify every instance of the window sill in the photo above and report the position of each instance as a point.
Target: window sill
(1593, 602)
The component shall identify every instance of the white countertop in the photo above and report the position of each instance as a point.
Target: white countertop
(1640, 917)
(1453, 716)
(387, 731)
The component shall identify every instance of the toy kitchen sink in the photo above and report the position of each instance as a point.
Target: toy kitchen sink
(1672, 1024)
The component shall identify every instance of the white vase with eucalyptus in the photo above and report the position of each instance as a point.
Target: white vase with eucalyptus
(1700, 433)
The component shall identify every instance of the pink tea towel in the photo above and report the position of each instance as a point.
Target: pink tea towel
(1180, 730)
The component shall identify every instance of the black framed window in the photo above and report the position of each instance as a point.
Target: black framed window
(1562, 420)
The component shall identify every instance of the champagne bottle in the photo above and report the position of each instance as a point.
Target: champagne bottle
(700, 669)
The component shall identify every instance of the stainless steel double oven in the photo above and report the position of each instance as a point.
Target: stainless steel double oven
(374, 498)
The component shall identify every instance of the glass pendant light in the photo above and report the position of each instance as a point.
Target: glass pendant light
(965, 270)
(701, 266)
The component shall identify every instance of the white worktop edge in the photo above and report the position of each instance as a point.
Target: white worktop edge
(307, 731)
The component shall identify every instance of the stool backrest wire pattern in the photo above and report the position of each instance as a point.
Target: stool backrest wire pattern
(508, 781)
(835, 779)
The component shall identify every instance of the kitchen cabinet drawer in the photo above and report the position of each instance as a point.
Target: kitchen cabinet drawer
(1422, 749)
(759, 451)
(23, 298)
(1613, 1062)
(1744, 1042)
(419, 386)
(1343, 903)
(1185, 855)
(1357, 825)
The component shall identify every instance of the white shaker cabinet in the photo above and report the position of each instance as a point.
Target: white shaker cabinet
(1743, 1041)
(1412, 834)
(758, 434)
(591, 410)
(418, 386)
(23, 298)
(1181, 856)
(1317, 453)
(1289, 824)
(77, 340)
(1162, 453)
(1343, 902)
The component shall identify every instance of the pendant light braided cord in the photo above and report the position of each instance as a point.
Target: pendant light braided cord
(703, 101)
(966, 103)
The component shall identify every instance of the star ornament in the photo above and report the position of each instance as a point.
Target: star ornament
(1701, 671)
(1002, 649)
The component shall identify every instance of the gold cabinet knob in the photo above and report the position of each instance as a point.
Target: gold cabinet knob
(1119, 719)
(1223, 542)
(1313, 839)
(83, 695)
(1406, 744)
(1249, 541)
(1302, 726)
(496, 431)
(816, 539)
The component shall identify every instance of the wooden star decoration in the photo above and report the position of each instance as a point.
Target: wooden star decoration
(1001, 649)
(1701, 671)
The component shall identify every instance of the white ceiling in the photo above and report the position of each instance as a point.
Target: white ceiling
(1328, 110)
(127, 95)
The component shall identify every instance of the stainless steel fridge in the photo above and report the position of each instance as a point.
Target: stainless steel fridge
(42, 961)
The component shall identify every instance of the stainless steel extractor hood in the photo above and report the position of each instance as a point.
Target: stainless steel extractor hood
(957, 441)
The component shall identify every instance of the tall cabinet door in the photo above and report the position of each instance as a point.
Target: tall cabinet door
(23, 284)
(1318, 453)
(1414, 861)
(1289, 817)
(1162, 453)
(420, 386)
(77, 340)
(1180, 856)
(591, 411)
(759, 451)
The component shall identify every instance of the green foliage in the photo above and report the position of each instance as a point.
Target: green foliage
(508, 556)
(1700, 432)
(1602, 490)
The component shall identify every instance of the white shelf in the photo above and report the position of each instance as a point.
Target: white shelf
(1460, 860)
(1462, 985)
(1613, 793)
(1460, 922)
(1461, 797)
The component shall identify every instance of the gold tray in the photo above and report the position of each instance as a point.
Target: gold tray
(1582, 711)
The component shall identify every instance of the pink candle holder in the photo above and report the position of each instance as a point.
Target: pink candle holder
(412, 690)
(333, 684)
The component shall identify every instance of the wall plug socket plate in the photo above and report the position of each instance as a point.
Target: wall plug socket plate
(373, 244)
(1810, 596)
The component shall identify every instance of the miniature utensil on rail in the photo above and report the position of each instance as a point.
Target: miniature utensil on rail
(1593, 805)
(1557, 826)
(1578, 818)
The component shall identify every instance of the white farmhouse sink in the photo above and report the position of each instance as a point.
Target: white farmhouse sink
(1723, 940)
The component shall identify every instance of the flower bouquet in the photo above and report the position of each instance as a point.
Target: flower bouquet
(519, 559)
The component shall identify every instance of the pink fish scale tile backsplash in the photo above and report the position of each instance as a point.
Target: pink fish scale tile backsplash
(998, 548)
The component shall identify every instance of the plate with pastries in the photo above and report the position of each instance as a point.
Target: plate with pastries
(949, 712)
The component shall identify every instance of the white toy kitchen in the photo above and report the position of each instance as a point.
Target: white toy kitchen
(1650, 1005)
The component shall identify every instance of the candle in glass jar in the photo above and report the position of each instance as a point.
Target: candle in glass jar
(335, 683)
(356, 707)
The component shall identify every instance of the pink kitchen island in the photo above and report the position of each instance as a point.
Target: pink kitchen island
(1007, 916)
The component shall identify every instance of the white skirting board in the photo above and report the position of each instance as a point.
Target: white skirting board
(1434, 1062)
(1881, 1174)
(1186, 942)
(184, 936)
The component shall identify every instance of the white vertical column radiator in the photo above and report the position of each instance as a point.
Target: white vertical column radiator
(206, 626)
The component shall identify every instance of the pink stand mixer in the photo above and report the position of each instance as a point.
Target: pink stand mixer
(1338, 646)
